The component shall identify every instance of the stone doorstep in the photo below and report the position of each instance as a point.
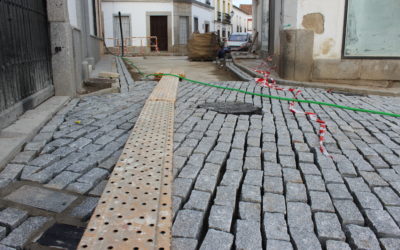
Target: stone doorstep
(364, 90)
(26, 127)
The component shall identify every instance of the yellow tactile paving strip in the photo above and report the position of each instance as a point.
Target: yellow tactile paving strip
(135, 211)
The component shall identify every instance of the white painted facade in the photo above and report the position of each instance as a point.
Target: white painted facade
(223, 8)
(241, 21)
(137, 15)
(204, 16)
(333, 13)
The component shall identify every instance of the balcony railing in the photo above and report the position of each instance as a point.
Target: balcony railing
(227, 19)
(219, 14)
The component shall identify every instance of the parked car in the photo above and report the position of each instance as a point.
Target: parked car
(239, 41)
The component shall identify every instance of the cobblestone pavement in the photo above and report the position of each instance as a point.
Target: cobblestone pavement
(259, 181)
(59, 176)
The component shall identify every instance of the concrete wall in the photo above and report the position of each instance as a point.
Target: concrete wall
(137, 12)
(326, 20)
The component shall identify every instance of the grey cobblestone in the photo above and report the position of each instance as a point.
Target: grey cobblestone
(221, 218)
(63, 179)
(367, 200)
(253, 177)
(188, 224)
(305, 239)
(361, 237)
(357, 185)
(339, 192)
(248, 235)
(309, 169)
(274, 203)
(321, 202)
(20, 236)
(12, 217)
(328, 227)
(217, 240)
(273, 185)
(296, 192)
(249, 211)
(279, 245)
(252, 163)
(198, 201)
(390, 243)
(232, 178)
(382, 223)
(348, 212)
(226, 196)
(337, 245)
(24, 157)
(315, 183)
(291, 175)
(373, 179)
(11, 172)
(299, 217)
(387, 196)
(275, 227)
(251, 193)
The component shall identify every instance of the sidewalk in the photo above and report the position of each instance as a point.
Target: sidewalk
(248, 66)
(51, 188)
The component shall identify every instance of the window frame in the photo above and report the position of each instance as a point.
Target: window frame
(346, 8)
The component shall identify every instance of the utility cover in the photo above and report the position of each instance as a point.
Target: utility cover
(236, 108)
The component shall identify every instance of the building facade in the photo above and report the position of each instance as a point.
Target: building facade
(343, 41)
(171, 21)
(242, 20)
(223, 18)
(47, 50)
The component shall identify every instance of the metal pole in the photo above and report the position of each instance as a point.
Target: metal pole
(122, 35)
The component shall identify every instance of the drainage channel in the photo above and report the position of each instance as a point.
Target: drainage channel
(134, 211)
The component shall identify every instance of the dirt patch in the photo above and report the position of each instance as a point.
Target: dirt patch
(315, 22)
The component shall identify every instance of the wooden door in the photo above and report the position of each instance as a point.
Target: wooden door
(159, 28)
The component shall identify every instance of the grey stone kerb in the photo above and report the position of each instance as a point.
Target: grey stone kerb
(62, 59)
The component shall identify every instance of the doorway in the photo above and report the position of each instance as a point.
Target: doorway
(159, 28)
(126, 30)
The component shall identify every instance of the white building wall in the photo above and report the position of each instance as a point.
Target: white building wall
(329, 43)
(137, 12)
(204, 15)
(240, 19)
(72, 13)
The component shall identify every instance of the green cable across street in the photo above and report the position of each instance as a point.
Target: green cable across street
(281, 98)
(264, 95)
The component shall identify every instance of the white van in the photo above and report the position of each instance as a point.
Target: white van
(239, 41)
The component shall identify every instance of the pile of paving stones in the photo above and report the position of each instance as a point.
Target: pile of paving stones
(60, 174)
(260, 182)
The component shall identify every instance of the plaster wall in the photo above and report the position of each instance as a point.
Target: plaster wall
(328, 44)
(205, 15)
(137, 12)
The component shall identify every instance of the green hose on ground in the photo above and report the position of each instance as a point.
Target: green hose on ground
(280, 98)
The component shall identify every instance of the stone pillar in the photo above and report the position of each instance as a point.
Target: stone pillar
(62, 56)
(296, 55)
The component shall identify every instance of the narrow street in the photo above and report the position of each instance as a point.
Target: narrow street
(199, 125)
(207, 71)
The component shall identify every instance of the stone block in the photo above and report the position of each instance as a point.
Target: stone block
(279, 245)
(251, 193)
(249, 211)
(328, 227)
(305, 239)
(85, 208)
(188, 224)
(248, 235)
(273, 185)
(361, 237)
(35, 197)
(93, 176)
(20, 236)
(367, 200)
(382, 223)
(296, 192)
(198, 201)
(274, 203)
(12, 217)
(321, 202)
(291, 175)
(221, 218)
(299, 217)
(275, 227)
(226, 196)
(11, 172)
(184, 244)
(24, 157)
(253, 177)
(217, 240)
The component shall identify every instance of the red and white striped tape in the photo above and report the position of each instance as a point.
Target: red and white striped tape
(269, 82)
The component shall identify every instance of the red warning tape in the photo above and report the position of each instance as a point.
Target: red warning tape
(269, 82)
